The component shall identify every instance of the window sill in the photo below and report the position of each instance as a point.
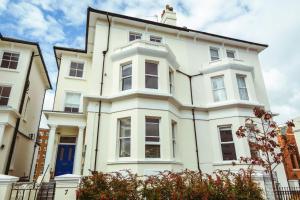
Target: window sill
(229, 162)
(75, 78)
(10, 70)
(154, 161)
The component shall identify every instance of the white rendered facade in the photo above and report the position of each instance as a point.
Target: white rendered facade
(27, 61)
(184, 64)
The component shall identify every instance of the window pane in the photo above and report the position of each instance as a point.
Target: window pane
(151, 82)
(126, 83)
(127, 70)
(72, 98)
(152, 139)
(243, 94)
(151, 68)
(218, 82)
(13, 65)
(230, 54)
(155, 39)
(125, 127)
(226, 135)
(228, 152)
(242, 87)
(80, 66)
(124, 147)
(4, 64)
(152, 151)
(3, 101)
(220, 95)
(152, 127)
(72, 72)
(79, 73)
(241, 81)
(5, 91)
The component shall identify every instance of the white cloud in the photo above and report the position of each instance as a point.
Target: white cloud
(3, 4)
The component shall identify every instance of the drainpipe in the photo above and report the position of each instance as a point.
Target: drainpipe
(16, 129)
(101, 89)
(36, 137)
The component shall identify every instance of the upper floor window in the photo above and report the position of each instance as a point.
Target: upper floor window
(152, 140)
(134, 36)
(227, 143)
(10, 60)
(4, 95)
(242, 87)
(214, 53)
(76, 69)
(126, 79)
(124, 137)
(230, 53)
(218, 87)
(174, 126)
(171, 81)
(72, 102)
(151, 75)
(155, 39)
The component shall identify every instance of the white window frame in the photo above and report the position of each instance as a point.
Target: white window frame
(171, 81)
(135, 34)
(153, 143)
(214, 90)
(244, 88)
(1, 59)
(226, 127)
(79, 104)
(11, 88)
(174, 134)
(151, 75)
(233, 51)
(156, 39)
(121, 75)
(122, 138)
(210, 55)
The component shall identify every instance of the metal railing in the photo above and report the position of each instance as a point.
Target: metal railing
(288, 193)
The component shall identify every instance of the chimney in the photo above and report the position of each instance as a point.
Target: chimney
(168, 16)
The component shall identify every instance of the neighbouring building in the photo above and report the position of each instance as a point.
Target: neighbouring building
(23, 83)
(291, 159)
(42, 140)
(152, 96)
(297, 130)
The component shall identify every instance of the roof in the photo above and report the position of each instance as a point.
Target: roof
(9, 39)
(90, 9)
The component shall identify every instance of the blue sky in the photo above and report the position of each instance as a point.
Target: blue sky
(277, 23)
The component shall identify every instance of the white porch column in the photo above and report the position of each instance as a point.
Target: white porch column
(78, 151)
(2, 127)
(50, 147)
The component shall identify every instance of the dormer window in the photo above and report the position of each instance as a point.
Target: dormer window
(134, 36)
(76, 69)
(10, 60)
(155, 39)
(230, 53)
(214, 53)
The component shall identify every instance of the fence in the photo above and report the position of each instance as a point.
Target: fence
(285, 193)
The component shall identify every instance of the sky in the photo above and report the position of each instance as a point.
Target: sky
(274, 22)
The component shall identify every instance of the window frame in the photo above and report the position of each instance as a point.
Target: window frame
(119, 138)
(242, 88)
(79, 103)
(5, 97)
(210, 54)
(156, 39)
(214, 90)
(232, 51)
(156, 143)
(125, 77)
(11, 52)
(135, 35)
(174, 134)
(226, 127)
(152, 75)
(76, 70)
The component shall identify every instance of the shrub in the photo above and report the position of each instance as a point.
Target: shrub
(187, 185)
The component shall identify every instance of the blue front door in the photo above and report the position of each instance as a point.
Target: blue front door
(64, 159)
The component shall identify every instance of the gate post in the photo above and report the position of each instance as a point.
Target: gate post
(6, 185)
(66, 186)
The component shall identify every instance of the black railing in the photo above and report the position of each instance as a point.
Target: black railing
(288, 193)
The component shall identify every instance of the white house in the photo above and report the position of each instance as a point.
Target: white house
(151, 96)
(23, 82)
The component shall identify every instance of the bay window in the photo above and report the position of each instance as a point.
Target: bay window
(152, 140)
(218, 87)
(124, 137)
